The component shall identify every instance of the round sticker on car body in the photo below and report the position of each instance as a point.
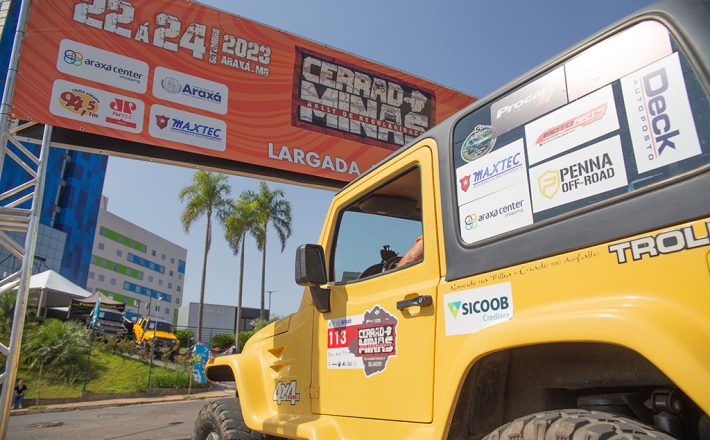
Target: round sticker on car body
(478, 143)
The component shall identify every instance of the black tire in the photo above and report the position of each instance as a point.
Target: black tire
(222, 420)
(575, 425)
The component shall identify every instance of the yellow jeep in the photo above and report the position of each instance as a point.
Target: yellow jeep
(156, 335)
(563, 291)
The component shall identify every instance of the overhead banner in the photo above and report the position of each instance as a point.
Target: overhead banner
(188, 77)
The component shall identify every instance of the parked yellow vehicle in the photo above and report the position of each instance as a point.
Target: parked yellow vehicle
(563, 290)
(156, 335)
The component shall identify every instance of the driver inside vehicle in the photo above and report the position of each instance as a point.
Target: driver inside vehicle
(415, 253)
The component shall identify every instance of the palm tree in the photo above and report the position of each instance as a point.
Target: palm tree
(208, 194)
(271, 208)
(238, 223)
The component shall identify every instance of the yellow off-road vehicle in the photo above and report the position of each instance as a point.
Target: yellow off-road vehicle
(563, 291)
(156, 335)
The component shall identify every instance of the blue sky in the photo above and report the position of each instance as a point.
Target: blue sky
(470, 45)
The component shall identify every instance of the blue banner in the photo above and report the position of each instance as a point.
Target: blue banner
(202, 351)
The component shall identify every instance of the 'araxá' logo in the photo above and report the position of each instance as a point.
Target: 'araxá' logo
(454, 307)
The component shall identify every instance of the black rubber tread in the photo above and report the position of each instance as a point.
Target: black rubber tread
(224, 417)
(575, 425)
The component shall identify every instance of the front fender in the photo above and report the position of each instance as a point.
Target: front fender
(253, 392)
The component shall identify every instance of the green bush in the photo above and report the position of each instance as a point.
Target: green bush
(162, 378)
(222, 341)
(186, 337)
(59, 347)
(244, 337)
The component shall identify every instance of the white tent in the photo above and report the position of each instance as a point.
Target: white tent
(49, 290)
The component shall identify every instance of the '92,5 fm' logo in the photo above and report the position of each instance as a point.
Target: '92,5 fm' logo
(80, 102)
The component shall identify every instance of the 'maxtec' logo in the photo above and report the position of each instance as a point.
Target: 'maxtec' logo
(161, 121)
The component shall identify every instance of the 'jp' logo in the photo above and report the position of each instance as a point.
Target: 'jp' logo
(73, 57)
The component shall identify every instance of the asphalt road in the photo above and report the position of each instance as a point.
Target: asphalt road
(172, 421)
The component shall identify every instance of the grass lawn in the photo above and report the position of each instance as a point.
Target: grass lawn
(110, 373)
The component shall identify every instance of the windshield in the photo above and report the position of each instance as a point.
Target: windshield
(110, 316)
(162, 326)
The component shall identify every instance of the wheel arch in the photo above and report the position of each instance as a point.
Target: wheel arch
(507, 384)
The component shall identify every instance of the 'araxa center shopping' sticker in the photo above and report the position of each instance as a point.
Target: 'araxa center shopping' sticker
(660, 119)
(364, 341)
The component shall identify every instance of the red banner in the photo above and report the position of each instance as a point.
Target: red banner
(188, 77)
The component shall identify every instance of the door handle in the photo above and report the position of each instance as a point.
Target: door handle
(419, 300)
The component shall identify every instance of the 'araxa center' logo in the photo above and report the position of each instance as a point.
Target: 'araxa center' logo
(73, 57)
(102, 66)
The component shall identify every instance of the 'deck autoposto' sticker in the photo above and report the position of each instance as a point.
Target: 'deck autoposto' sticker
(363, 342)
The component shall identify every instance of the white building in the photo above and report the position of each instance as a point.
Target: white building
(136, 266)
(216, 318)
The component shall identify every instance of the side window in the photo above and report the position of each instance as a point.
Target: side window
(624, 114)
(376, 231)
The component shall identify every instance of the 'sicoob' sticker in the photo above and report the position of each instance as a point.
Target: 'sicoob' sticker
(364, 341)
(473, 310)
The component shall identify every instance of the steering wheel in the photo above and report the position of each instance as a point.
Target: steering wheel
(372, 270)
(391, 263)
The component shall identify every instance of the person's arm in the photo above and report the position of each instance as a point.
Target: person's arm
(416, 252)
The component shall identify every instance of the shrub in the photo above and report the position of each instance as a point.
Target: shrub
(222, 341)
(60, 347)
(244, 337)
(186, 337)
(163, 378)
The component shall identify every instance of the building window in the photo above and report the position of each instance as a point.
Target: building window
(177, 301)
(179, 276)
(119, 253)
(172, 260)
(113, 281)
(170, 285)
(91, 275)
(150, 278)
(101, 278)
(162, 257)
(101, 246)
(160, 282)
(179, 288)
(172, 273)
(153, 252)
(167, 310)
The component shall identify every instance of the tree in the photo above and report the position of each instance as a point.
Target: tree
(58, 346)
(238, 223)
(7, 310)
(271, 209)
(207, 195)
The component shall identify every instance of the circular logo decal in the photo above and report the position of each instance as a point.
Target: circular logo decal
(471, 221)
(479, 143)
(171, 85)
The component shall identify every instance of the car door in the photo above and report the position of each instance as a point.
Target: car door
(374, 351)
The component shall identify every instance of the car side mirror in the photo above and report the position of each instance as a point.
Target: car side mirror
(311, 273)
